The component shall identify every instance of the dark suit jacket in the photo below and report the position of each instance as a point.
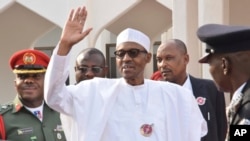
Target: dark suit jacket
(214, 109)
(243, 111)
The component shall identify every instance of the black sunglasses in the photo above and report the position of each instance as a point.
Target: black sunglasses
(131, 53)
(95, 70)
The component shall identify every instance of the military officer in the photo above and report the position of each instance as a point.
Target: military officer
(28, 117)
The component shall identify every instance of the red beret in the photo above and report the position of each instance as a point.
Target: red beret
(29, 61)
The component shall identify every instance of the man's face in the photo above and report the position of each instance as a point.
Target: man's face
(132, 61)
(29, 87)
(89, 66)
(171, 62)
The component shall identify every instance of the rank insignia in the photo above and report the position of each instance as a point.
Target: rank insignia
(201, 100)
(146, 130)
(18, 107)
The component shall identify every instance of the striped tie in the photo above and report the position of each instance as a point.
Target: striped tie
(38, 114)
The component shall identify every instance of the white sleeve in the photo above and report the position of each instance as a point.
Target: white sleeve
(56, 94)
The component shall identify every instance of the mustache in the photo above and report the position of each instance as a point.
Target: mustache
(165, 70)
(28, 86)
(127, 65)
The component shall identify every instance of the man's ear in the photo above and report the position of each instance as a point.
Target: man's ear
(225, 65)
(186, 57)
(15, 84)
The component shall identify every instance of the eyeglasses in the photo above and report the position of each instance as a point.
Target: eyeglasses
(93, 69)
(131, 53)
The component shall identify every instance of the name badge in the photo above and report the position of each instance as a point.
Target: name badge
(23, 131)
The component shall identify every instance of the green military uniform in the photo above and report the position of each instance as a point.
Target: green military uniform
(22, 125)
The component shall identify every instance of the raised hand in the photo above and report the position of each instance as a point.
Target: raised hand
(73, 30)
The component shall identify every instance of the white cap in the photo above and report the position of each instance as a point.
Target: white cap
(132, 35)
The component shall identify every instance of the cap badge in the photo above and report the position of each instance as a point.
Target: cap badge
(29, 58)
(201, 100)
(146, 130)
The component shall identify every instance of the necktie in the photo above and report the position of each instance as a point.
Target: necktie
(38, 114)
(231, 111)
(234, 105)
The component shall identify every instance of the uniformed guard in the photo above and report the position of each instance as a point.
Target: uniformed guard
(228, 51)
(28, 118)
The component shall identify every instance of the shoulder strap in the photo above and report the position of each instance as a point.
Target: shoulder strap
(3, 109)
(2, 129)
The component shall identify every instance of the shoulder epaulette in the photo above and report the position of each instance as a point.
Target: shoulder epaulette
(5, 107)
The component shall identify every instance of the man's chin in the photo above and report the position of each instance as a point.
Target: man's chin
(29, 96)
(167, 79)
(128, 76)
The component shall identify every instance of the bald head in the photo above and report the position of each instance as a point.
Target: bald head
(86, 53)
(178, 44)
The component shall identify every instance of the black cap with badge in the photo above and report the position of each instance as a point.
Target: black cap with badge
(223, 39)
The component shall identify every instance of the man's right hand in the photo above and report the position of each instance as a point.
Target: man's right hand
(73, 30)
